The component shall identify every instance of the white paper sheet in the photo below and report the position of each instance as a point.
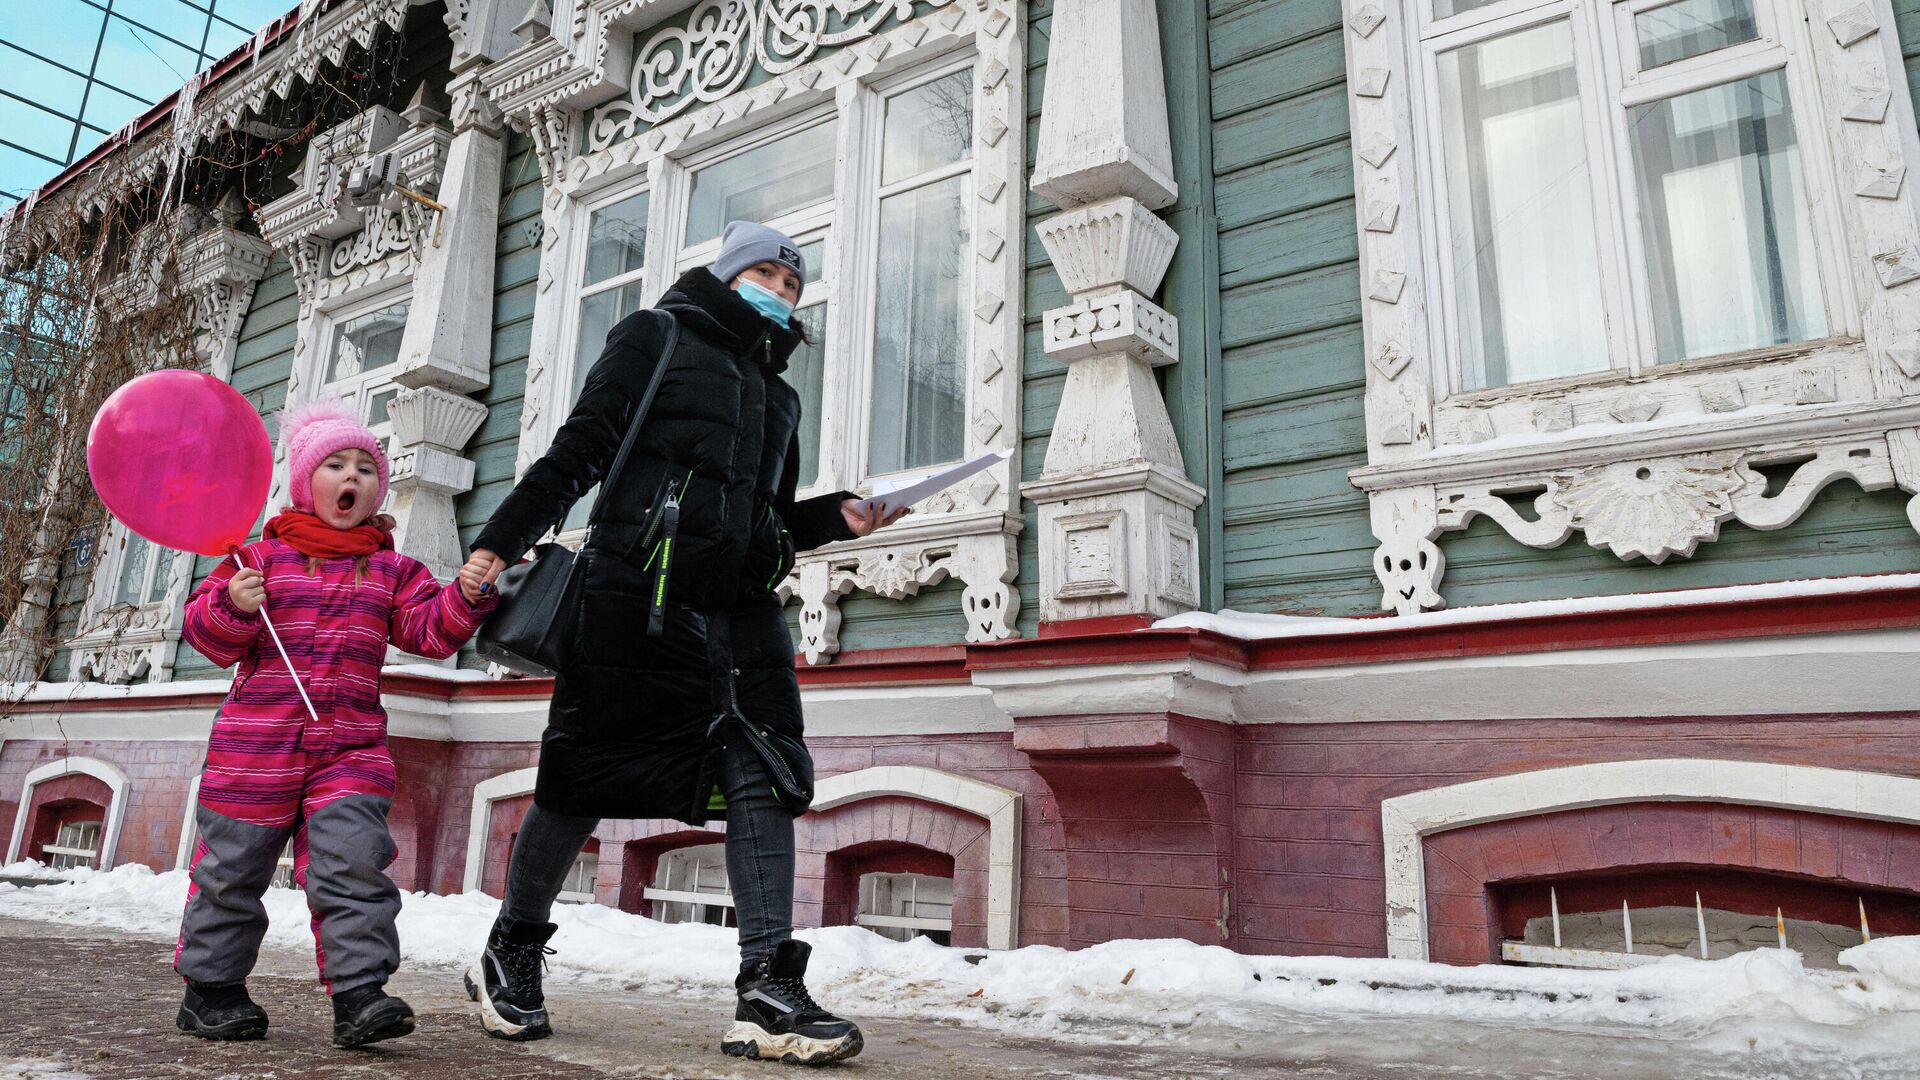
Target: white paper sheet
(899, 492)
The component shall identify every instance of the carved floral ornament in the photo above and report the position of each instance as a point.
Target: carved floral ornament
(724, 41)
(1653, 509)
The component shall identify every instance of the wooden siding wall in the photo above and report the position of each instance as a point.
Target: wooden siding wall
(1296, 534)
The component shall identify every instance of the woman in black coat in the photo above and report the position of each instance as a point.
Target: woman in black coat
(679, 698)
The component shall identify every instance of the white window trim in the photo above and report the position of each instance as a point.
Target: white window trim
(507, 785)
(347, 259)
(119, 644)
(1685, 437)
(555, 89)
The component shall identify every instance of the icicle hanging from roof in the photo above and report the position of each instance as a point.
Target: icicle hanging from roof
(183, 130)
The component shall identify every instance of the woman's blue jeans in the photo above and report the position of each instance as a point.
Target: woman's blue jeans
(759, 856)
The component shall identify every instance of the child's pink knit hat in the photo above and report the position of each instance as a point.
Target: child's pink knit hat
(312, 433)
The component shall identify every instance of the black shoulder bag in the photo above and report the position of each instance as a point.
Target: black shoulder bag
(531, 632)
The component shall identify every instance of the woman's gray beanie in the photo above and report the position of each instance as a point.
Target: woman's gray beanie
(745, 243)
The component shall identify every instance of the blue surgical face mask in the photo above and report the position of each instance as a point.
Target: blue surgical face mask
(772, 305)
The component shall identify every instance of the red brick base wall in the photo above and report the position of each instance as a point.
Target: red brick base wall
(1310, 862)
(1148, 825)
(158, 776)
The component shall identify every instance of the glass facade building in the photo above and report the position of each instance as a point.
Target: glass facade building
(73, 71)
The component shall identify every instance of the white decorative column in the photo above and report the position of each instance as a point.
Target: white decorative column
(445, 349)
(1115, 504)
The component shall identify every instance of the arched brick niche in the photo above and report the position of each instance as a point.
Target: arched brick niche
(1886, 806)
(891, 834)
(840, 891)
(1484, 881)
(69, 790)
(640, 862)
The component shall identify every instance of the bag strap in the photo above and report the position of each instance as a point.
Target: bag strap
(672, 341)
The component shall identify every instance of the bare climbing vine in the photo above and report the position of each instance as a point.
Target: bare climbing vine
(96, 288)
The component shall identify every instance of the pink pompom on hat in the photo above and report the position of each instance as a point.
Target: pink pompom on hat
(312, 433)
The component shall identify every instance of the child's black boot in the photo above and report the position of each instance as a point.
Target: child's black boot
(366, 1014)
(776, 1018)
(506, 981)
(221, 1012)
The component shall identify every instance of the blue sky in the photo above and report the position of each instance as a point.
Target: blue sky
(73, 71)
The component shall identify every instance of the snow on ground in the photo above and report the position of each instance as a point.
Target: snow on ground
(1124, 990)
(38, 1070)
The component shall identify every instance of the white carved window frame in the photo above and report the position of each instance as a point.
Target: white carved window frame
(1648, 462)
(121, 642)
(334, 301)
(347, 258)
(358, 391)
(558, 88)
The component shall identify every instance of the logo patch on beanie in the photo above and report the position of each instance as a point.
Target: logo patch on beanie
(790, 257)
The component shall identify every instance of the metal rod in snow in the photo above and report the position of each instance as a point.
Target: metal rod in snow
(1700, 914)
(1626, 920)
(1866, 935)
(1780, 926)
(284, 658)
(1553, 899)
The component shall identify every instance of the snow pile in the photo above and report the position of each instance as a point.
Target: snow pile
(1125, 990)
(1257, 626)
(29, 868)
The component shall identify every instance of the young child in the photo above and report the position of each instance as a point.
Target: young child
(327, 574)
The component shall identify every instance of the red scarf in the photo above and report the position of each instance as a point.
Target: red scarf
(316, 539)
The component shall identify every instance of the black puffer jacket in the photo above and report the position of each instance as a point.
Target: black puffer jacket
(635, 717)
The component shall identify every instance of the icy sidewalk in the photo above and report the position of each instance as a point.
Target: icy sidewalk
(1132, 991)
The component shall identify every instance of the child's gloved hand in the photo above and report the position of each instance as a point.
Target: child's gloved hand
(478, 574)
(247, 589)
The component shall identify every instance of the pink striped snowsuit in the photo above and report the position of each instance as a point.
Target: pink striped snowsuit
(272, 773)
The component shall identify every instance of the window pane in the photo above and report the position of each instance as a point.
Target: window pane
(157, 589)
(920, 329)
(377, 407)
(1444, 8)
(617, 239)
(815, 256)
(367, 343)
(598, 313)
(1526, 271)
(928, 127)
(1730, 259)
(133, 571)
(806, 371)
(1692, 27)
(763, 183)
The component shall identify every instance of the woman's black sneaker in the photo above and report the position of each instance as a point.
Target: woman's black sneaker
(221, 1012)
(506, 981)
(777, 1019)
(366, 1014)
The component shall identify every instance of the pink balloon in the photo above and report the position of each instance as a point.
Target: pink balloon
(182, 459)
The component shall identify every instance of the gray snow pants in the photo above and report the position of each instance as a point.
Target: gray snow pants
(341, 852)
